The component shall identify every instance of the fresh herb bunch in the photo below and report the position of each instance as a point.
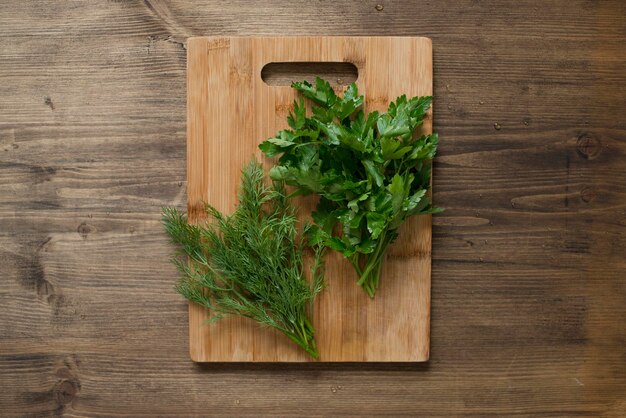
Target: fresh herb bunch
(249, 263)
(370, 171)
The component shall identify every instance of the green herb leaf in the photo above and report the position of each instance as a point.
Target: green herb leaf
(375, 224)
(372, 170)
(250, 263)
(396, 188)
(369, 170)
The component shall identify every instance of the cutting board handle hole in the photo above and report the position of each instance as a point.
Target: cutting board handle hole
(285, 73)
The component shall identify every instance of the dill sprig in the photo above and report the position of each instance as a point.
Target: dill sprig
(250, 263)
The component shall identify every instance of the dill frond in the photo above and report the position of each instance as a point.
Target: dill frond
(249, 263)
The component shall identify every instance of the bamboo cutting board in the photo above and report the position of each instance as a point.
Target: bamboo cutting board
(230, 110)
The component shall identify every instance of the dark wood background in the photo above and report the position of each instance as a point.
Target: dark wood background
(529, 269)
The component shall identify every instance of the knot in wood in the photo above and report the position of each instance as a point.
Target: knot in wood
(84, 229)
(588, 146)
(588, 194)
(66, 390)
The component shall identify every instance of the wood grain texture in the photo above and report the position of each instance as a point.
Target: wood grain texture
(230, 111)
(528, 283)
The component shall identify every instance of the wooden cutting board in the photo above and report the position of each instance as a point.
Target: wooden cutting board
(230, 110)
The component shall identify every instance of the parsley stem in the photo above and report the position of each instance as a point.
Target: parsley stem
(369, 278)
(307, 143)
(354, 260)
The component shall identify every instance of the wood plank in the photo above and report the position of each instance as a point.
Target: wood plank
(232, 110)
(528, 289)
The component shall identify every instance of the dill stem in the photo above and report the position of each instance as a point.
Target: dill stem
(304, 337)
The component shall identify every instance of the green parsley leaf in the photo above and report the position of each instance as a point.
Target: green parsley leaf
(369, 170)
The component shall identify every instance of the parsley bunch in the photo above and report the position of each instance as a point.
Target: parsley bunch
(249, 263)
(370, 170)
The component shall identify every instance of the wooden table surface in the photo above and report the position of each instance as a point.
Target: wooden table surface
(529, 269)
